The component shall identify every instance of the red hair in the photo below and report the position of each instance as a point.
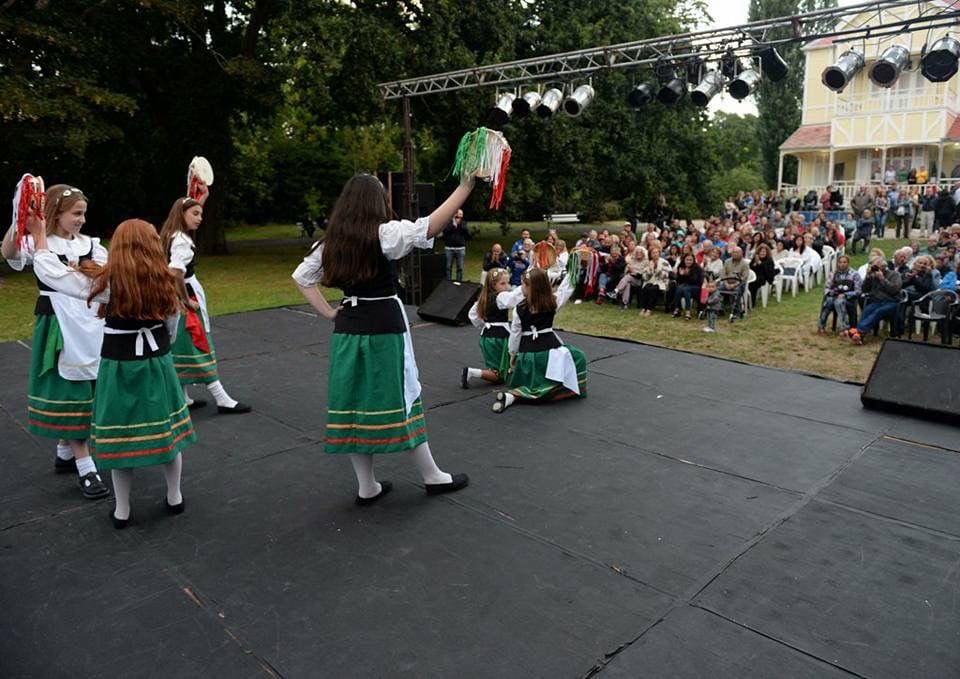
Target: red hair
(141, 285)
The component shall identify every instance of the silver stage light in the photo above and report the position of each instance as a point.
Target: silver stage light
(640, 95)
(838, 76)
(578, 100)
(939, 64)
(744, 84)
(672, 91)
(550, 102)
(500, 114)
(708, 88)
(887, 68)
(525, 104)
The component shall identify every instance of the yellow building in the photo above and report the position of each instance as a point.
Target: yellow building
(859, 135)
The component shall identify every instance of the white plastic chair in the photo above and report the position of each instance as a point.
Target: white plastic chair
(777, 281)
(829, 261)
(791, 274)
(747, 297)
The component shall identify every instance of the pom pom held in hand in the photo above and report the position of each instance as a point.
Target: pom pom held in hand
(28, 198)
(484, 153)
(199, 171)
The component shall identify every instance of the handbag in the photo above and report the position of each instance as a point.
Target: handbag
(901, 210)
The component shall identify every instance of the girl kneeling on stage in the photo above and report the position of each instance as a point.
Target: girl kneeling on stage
(543, 367)
(490, 315)
(373, 388)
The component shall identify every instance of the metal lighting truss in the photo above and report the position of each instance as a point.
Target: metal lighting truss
(743, 40)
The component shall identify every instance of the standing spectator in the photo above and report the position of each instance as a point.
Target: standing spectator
(922, 175)
(944, 209)
(928, 206)
(455, 236)
(903, 211)
(840, 291)
(881, 204)
(836, 198)
(863, 200)
(890, 175)
(883, 287)
(496, 258)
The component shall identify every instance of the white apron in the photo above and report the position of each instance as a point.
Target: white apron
(201, 299)
(82, 337)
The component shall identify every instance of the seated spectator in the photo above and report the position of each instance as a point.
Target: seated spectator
(613, 269)
(850, 223)
(918, 281)
(942, 264)
(839, 293)
(779, 251)
(900, 260)
(673, 254)
(949, 280)
(864, 230)
(496, 258)
(882, 286)
(836, 198)
(931, 247)
(517, 264)
(562, 255)
(736, 271)
(689, 281)
(656, 278)
(518, 244)
(762, 265)
(632, 276)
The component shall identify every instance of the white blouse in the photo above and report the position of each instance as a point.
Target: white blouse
(397, 239)
(181, 251)
(73, 249)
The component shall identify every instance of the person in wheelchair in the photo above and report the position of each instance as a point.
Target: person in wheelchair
(736, 271)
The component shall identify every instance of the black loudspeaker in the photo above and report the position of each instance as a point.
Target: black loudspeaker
(450, 302)
(432, 265)
(914, 378)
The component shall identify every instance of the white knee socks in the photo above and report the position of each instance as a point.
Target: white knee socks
(220, 395)
(474, 373)
(429, 470)
(508, 399)
(367, 485)
(122, 482)
(186, 396)
(64, 451)
(172, 471)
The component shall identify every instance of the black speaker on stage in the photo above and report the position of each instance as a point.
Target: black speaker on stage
(915, 378)
(431, 271)
(450, 302)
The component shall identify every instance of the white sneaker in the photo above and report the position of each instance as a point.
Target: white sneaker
(709, 329)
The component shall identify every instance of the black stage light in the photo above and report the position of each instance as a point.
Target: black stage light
(640, 95)
(939, 64)
(525, 104)
(672, 91)
(773, 65)
(500, 113)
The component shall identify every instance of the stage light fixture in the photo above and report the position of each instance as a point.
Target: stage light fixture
(939, 64)
(730, 66)
(838, 76)
(640, 95)
(744, 84)
(694, 67)
(525, 104)
(889, 66)
(774, 67)
(550, 102)
(500, 114)
(578, 100)
(672, 91)
(707, 89)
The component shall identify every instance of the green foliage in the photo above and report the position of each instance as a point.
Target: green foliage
(726, 184)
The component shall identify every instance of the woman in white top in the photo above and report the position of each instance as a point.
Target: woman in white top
(65, 351)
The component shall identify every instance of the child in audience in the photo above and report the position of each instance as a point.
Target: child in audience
(714, 304)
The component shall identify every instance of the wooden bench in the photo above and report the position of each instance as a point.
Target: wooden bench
(562, 218)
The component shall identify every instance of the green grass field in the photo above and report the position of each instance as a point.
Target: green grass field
(256, 275)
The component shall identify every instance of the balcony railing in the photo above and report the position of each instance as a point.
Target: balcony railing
(894, 100)
(849, 188)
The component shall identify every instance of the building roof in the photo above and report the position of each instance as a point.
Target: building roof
(826, 42)
(808, 137)
(953, 132)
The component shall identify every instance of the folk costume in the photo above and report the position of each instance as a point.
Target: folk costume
(373, 387)
(494, 332)
(546, 369)
(194, 356)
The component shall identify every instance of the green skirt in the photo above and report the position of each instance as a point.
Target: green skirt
(193, 354)
(529, 382)
(496, 356)
(139, 414)
(56, 408)
(366, 411)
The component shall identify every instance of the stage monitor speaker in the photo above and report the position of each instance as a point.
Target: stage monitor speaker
(432, 265)
(915, 378)
(450, 302)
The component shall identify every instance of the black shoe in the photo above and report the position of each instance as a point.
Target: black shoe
(119, 524)
(459, 481)
(173, 509)
(92, 486)
(463, 379)
(385, 487)
(238, 409)
(61, 466)
(197, 403)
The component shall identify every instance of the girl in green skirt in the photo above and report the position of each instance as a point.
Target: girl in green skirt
(193, 354)
(543, 368)
(489, 314)
(373, 389)
(65, 351)
(140, 417)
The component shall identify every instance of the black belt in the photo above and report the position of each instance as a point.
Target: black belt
(123, 347)
(43, 307)
(378, 317)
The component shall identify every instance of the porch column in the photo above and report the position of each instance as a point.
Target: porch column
(780, 170)
(883, 163)
(936, 179)
(830, 178)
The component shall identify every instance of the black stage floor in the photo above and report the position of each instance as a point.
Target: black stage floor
(693, 517)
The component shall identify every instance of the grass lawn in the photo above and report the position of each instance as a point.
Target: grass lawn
(256, 275)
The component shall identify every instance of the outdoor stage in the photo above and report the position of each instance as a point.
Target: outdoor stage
(693, 517)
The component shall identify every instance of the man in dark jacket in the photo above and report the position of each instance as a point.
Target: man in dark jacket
(946, 207)
(455, 236)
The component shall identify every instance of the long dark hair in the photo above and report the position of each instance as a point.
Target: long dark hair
(352, 242)
(175, 222)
